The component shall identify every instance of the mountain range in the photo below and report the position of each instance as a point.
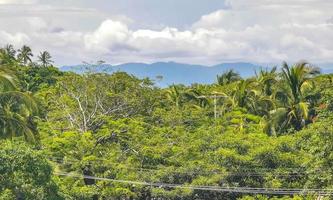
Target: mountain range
(168, 73)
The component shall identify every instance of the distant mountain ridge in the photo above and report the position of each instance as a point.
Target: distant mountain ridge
(172, 72)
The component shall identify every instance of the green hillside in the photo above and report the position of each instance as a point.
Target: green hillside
(99, 136)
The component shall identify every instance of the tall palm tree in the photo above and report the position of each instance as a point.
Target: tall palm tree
(7, 54)
(10, 51)
(16, 110)
(292, 96)
(244, 91)
(24, 55)
(175, 94)
(196, 95)
(298, 78)
(267, 80)
(228, 77)
(45, 58)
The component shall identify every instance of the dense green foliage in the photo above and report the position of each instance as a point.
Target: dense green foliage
(88, 135)
(25, 174)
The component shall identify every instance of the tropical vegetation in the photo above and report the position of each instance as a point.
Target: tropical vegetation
(116, 136)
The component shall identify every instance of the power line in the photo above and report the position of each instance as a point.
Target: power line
(244, 190)
(164, 167)
(211, 172)
(242, 173)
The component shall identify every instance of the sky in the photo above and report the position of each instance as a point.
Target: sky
(189, 31)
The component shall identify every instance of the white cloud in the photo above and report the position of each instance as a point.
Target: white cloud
(256, 31)
(17, 39)
(110, 36)
(18, 1)
(245, 13)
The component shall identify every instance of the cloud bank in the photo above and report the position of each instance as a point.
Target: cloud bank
(263, 31)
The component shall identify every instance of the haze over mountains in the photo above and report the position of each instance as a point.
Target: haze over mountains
(168, 73)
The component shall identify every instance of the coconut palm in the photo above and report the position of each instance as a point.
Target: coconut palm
(10, 51)
(16, 110)
(24, 55)
(45, 58)
(175, 94)
(293, 96)
(267, 79)
(298, 78)
(228, 77)
(244, 91)
(7, 54)
(196, 95)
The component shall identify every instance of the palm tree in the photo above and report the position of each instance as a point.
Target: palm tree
(244, 91)
(16, 110)
(298, 78)
(10, 51)
(294, 105)
(228, 77)
(195, 94)
(7, 54)
(45, 58)
(175, 94)
(24, 55)
(267, 79)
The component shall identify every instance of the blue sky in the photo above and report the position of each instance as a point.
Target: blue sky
(198, 32)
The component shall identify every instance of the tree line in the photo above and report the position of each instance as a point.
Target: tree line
(24, 56)
(66, 135)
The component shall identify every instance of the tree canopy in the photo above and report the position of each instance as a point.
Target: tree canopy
(116, 136)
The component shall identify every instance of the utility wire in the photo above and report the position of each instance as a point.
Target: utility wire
(241, 173)
(157, 167)
(263, 170)
(244, 190)
(235, 173)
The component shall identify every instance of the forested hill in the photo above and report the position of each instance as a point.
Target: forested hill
(99, 136)
(168, 73)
